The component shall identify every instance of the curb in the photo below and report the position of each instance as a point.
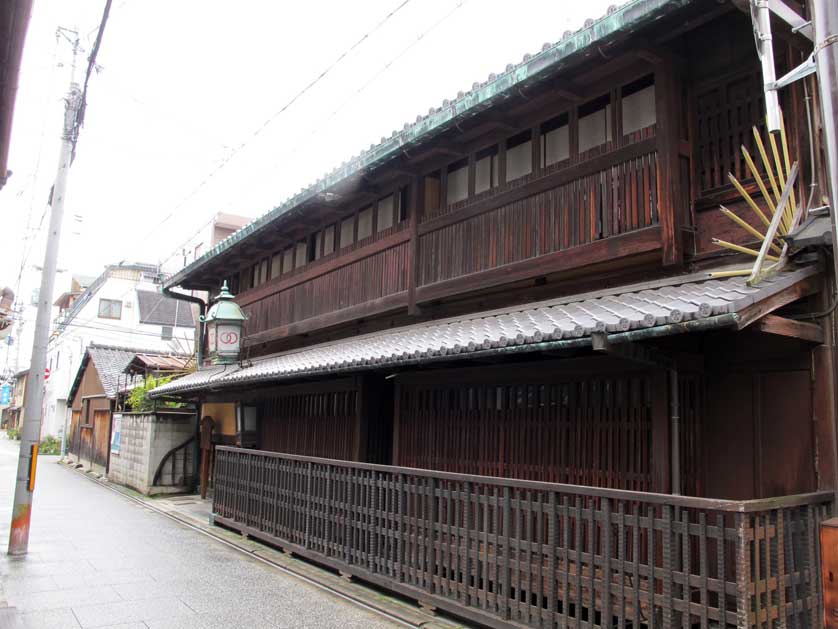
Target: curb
(354, 592)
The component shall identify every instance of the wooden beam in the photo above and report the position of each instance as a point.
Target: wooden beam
(383, 305)
(803, 288)
(636, 242)
(780, 326)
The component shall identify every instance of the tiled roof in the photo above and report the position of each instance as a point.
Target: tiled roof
(158, 309)
(110, 362)
(110, 365)
(666, 307)
(482, 95)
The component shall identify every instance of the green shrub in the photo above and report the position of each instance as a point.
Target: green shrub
(13, 433)
(50, 445)
(139, 401)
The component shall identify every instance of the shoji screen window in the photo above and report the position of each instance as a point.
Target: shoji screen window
(594, 123)
(555, 141)
(486, 169)
(638, 103)
(385, 213)
(365, 223)
(288, 260)
(328, 240)
(300, 254)
(347, 231)
(457, 181)
(519, 156)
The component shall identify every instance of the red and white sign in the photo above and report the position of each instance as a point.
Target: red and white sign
(46, 374)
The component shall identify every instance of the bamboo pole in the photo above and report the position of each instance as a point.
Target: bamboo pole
(741, 249)
(746, 226)
(749, 160)
(787, 161)
(748, 198)
(736, 273)
(781, 177)
(766, 164)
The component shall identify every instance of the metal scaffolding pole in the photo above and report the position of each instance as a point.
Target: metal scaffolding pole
(31, 428)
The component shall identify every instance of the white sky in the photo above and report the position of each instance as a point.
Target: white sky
(182, 83)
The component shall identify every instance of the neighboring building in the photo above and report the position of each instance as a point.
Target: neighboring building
(216, 230)
(7, 302)
(13, 414)
(121, 307)
(497, 364)
(104, 379)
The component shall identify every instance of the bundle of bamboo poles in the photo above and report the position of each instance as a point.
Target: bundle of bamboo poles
(777, 172)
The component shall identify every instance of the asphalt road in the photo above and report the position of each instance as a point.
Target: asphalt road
(98, 559)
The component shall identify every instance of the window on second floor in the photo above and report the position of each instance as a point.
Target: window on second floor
(486, 169)
(110, 309)
(432, 189)
(638, 104)
(519, 156)
(300, 254)
(288, 260)
(594, 123)
(328, 240)
(166, 332)
(276, 265)
(457, 189)
(347, 231)
(365, 223)
(385, 213)
(555, 141)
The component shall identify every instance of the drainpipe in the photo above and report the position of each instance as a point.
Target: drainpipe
(199, 343)
(825, 26)
(675, 432)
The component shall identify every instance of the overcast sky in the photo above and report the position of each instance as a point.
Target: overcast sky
(183, 84)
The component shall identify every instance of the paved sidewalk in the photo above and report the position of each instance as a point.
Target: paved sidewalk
(98, 559)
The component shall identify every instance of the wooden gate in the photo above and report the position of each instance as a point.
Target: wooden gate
(100, 438)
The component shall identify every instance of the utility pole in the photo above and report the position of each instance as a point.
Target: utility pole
(31, 429)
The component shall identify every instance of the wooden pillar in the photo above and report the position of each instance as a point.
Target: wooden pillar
(667, 103)
(394, 450)
(413, 250)
(661, 440)
(362, 406)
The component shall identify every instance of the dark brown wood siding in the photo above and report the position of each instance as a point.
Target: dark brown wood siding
(578, 430)
(320, 423)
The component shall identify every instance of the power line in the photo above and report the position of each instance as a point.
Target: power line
(321, 124)
(91, 63)
(273, 117)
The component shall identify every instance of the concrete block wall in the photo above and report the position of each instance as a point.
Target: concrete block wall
(145, 440)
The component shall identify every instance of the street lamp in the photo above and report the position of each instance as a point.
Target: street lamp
(224, 322)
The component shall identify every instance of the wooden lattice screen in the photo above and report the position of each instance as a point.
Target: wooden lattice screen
(318, 424)
(593, 431)
(725, 114)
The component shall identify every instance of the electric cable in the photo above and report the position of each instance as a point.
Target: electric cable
(235, 151)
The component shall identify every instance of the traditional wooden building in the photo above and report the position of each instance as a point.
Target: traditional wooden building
(101, 384)
(497, 363)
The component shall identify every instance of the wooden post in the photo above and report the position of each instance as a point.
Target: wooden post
(361, 418)
(661, 441)
(207, 425)
(667, 98)
(394, 450)
(413, 252)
